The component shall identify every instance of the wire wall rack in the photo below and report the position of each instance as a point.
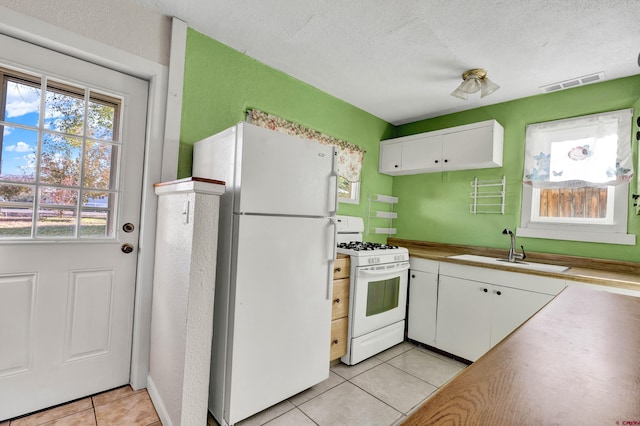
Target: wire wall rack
(488, 196)
(375, 214)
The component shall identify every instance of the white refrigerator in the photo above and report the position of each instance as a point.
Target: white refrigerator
(276, 247)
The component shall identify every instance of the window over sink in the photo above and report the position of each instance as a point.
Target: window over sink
(576, 179)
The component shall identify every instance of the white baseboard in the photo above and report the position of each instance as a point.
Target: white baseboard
(158, 403)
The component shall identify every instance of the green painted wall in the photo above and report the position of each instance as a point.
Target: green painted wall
(220, 84)
(435, 206)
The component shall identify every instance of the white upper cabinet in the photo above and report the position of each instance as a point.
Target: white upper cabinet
(473, 146)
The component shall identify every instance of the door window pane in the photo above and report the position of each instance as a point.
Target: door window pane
(67, 155)
(18, 154)
(64, 111)
(56, 223)
(22, 102)
(60, 160)
(98, 166)
(382, 296)
(101, 120)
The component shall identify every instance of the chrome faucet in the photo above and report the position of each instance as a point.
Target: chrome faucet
(513, 254)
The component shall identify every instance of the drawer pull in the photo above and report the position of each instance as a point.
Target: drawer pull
(338, 269)
(337, 300)
(335, 342)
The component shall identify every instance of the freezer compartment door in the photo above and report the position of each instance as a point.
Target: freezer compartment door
(281, 311)
(283, 174)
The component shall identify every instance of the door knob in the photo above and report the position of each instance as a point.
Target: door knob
(126, 248)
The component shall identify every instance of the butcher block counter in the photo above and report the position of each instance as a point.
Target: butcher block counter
(603, 272)
(576, 362)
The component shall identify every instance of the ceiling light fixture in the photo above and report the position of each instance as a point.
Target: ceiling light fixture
(472, 81)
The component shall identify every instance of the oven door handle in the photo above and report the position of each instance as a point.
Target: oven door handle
(376, 272)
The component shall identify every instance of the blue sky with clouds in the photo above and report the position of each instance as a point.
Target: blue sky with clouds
(19, 144)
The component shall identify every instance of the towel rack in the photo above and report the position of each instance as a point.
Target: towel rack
(488, 196)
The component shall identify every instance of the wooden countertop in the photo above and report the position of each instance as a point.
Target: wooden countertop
(576, 362)
(604, 272)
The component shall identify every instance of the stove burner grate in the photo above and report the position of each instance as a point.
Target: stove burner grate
(365, 246)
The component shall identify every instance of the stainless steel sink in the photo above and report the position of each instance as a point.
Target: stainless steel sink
(519, 264)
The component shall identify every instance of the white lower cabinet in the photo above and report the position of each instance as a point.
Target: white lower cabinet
(423, 301)
(466, 310)
(464, 317)
(511, 308)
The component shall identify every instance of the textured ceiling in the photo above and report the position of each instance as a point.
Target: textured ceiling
(400, 60)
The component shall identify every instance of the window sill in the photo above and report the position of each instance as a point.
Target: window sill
(585, 236)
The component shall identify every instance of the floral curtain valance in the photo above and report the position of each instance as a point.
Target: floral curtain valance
(588, 151)
(350, 156)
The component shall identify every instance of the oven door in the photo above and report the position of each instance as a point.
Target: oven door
(379, 297)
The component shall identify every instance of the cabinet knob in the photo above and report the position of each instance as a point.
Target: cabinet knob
(485, 290)
(446, 161)
(335, 342)
(498, 293)
(437, 161)
(337, 300)
(396, 166)
(413, 276)
(338, 269)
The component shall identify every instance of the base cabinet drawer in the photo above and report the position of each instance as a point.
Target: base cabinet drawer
(341, 268)
(340, 306)
(338, 338)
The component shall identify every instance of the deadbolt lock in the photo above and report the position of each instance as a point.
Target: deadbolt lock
(128, 227)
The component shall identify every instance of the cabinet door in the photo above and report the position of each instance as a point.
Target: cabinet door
(464, 317)
(390, 157)
(422, 154)
(469, 149)
(423, 302)
(511, 308)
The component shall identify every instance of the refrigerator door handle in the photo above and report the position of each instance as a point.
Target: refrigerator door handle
(333, 184)
(332, 254)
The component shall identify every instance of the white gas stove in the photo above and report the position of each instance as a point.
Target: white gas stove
(377, 291)
(364, 253)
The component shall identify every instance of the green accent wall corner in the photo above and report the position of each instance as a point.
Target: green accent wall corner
(220, 84)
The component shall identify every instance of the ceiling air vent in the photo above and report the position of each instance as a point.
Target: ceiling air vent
(574, 82)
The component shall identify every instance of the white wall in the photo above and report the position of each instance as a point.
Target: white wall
(119, 23)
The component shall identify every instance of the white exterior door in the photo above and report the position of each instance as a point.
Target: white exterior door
(71, 163)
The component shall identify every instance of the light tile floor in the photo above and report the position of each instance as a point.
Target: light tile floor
(122, 406)
(381, 390)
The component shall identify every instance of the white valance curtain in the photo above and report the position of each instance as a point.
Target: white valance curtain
(350, 156)
(588, 151)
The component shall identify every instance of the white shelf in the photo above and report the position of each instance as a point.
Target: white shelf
(388, 231)
(379, 198)
(385, 213)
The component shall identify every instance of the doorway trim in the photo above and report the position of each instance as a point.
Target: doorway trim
(46, 35)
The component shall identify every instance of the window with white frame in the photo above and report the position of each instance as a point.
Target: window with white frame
(348, 192)
(576, 179)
